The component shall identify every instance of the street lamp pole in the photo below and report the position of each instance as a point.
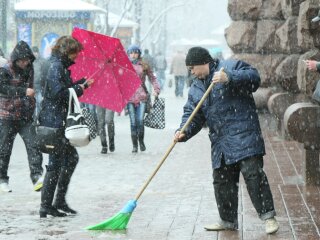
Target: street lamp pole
(3, 25)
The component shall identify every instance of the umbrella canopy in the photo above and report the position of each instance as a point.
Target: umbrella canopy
(105, 60)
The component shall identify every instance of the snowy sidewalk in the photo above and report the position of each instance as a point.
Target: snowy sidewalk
(176, 204)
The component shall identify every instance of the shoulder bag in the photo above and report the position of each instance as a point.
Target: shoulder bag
(148, 102)
(76, 131)
(156, 117)
(48, 139)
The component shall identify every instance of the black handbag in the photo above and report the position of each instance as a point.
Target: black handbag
(156, 117)
(48, 139)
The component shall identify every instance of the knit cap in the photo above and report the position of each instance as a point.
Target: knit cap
(198, 56)
(134, 49)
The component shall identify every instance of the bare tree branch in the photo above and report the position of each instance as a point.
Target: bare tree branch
(160, 15)
(127, 6)
(156, 38)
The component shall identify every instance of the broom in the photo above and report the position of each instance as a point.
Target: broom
(121, 219)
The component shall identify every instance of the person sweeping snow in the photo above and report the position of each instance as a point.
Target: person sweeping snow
(237, 144)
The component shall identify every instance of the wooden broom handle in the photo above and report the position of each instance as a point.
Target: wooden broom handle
(205, 95)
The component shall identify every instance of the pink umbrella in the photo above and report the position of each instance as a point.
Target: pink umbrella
(105, 60)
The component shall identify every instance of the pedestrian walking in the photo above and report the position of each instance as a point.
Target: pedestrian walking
(40, 66)
(148, 59)
(237, 143)
(161, 66)
(106, 117)
(17, 104)
(180, 72)
(137, 103)
(64, 160)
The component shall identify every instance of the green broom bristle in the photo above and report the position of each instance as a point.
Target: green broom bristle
(117, 222)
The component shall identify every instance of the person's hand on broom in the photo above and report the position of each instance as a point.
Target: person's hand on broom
(220, 77)
(179, 136)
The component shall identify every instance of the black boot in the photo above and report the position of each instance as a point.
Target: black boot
(47, 194)
(141, 143)
(134, 143)
(111, 136)
(104, 144)
(111, 144)
(63, 183)
(104, 150)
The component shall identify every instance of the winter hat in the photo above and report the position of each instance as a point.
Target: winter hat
(198, 56)
(21, 51)
(134, 49)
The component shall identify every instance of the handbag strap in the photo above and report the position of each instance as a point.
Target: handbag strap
(143, 84)
(76, 104)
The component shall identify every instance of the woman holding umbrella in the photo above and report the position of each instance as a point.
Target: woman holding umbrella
(137, 103)
(64, 160)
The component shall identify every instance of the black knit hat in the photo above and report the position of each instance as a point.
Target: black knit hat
(198, 56)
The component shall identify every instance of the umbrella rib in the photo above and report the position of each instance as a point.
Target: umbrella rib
(116, 64)
(114, 77)
(98, 46)
(114, 53)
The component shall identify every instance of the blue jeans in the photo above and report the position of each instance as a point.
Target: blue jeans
(179, 84)
(8, 132)
(161, 77)
(226, 186)
(136, 114)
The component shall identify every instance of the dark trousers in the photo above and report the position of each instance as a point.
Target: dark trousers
(226, 186)
(105, 116)
(66, 156)
(60, 169)
(8, 132)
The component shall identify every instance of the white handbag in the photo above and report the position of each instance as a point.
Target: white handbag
(77, 131)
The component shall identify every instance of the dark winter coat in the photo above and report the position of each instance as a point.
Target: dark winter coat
(56, 94)
(14, 81)
(230, 112)
(41, 67)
